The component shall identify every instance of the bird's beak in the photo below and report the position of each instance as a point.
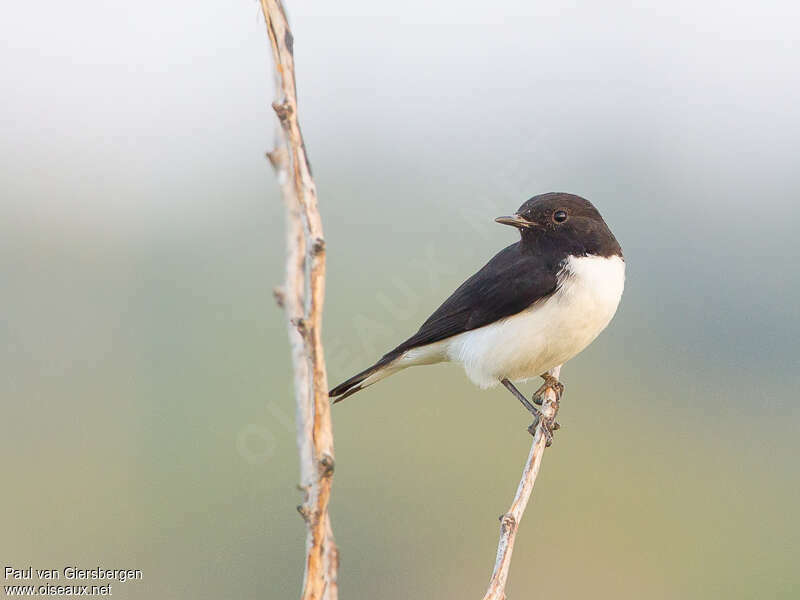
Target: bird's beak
(515, 221)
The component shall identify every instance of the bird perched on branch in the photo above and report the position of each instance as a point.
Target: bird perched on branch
(532, 307)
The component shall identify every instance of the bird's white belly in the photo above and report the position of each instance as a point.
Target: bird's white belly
(546, 334)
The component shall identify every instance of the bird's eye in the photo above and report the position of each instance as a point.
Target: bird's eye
(560, 216)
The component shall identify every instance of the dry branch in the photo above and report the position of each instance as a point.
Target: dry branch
(509, 522)
(302, 298)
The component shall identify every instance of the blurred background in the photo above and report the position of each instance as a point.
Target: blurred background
(147, 416)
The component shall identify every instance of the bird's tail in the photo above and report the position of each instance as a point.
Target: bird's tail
(383, 368)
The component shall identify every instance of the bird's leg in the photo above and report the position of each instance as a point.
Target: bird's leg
(519, 396)
(549, 428)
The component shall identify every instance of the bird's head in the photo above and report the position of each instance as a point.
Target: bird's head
(565, 222)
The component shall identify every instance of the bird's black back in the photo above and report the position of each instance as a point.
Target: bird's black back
(515, 278)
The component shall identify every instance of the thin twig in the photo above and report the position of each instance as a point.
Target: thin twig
(509, 522)
(302, 298)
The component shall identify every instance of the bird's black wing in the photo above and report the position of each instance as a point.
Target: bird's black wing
(509, 283)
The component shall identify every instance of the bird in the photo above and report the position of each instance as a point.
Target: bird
(535, 305)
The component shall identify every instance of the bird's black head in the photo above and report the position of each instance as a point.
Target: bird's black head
(564, 222)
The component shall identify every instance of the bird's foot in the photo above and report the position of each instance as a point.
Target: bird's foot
(550, 383)
(549, 425)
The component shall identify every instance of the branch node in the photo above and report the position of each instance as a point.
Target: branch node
(277, 158)
(283, 110)
(318, 247)
(280, 296)
(300, 324)
(327, 465)
(508, 523)
(304, 512)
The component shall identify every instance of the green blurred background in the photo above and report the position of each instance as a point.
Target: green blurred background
(147, 415)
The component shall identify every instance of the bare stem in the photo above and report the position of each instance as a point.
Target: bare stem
(509, 522)
(302, 298)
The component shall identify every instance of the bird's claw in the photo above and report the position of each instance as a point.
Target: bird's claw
(550, 383)
(548, 427)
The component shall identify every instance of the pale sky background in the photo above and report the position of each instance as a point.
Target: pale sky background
(147, 414)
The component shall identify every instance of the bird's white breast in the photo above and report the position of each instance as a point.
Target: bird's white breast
(547, 333)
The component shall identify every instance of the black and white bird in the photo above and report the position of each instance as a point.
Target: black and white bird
(532, 307)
